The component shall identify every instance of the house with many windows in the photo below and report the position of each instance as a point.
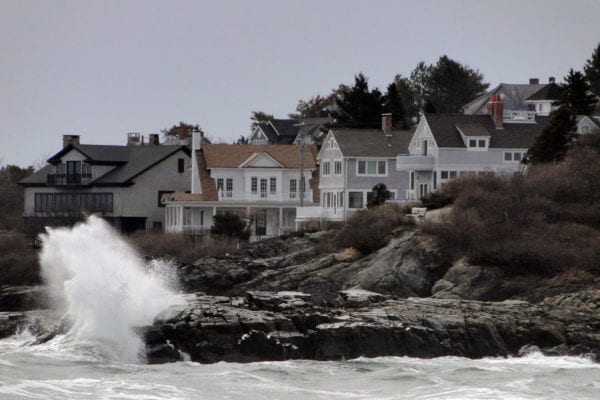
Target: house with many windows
(351, 163)
(123, 184)
(445, 146)
(263, 184)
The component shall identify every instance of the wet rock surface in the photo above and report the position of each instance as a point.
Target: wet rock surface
(285, 326)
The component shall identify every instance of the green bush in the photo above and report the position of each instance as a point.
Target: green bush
(369, 230)
(230, 225)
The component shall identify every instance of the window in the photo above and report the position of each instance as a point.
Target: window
(229, 188)
(355, 199)
(263, 188)
(434, 179)
(73, 171)
(74, 202)
(507, 156)
(517, 156)
(219, 185)
(293, 188)
(273, 185)
(452, 174)
(444, 175)
(180, 165)
(472, 143)
(481, 143)
(412, 180)
(372, 167)
(337, 167)
(326, 168)
(254, 185)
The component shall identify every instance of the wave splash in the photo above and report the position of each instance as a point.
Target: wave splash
(104, 287)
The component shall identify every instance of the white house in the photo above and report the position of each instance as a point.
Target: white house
(588, 124)
(445, 146)
(261, 183)
(351, 163)
(123, 184)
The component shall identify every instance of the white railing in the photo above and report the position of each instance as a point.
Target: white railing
(414, 162)
(525, 116)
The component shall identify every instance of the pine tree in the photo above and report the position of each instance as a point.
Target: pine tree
(357, 106)
(576, 94)
(592, 71)
(556, 138)
(392, 103)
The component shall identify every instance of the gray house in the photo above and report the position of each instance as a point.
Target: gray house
(123, 184)
(287, 131)
(351, 163)
(445, 146)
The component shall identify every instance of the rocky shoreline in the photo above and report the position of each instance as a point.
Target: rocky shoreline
(267, 326)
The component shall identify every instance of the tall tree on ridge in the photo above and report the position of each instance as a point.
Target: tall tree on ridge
(392, 103)
(259, 116)
(575, 93)
(556, 138)
(357, 106)
(592, 71)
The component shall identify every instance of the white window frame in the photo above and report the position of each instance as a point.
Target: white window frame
(337, 167)
(366, 164)
(326, 168)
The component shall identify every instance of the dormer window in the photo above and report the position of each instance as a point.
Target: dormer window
(478, 144)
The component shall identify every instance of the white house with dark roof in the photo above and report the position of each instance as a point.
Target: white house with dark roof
(351, 163)
(260, 183)
(445, 146)
(123, 184)
(287, 131)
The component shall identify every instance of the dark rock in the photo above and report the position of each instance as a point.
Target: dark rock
(22, 298)
(469, 282)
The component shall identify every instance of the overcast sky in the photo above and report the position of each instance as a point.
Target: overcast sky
(104, 68)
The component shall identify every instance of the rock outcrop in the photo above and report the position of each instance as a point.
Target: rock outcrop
(281, 326)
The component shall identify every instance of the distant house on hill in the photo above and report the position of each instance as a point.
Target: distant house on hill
(445, 146)
(588, 124)
(287, 131)
(517, 98)
(123, 184)
(262, 184)
(351, 163)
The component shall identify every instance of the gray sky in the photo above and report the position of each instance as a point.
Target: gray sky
(104, 68)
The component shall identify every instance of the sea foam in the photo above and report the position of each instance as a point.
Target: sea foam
(104, 287)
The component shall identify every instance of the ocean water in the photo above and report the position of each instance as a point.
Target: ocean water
(108, 291)
(62, 370)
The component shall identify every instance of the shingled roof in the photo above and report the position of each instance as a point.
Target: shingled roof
(513, 96)
(233, 155)
(513, 135)
(129, 162)
(550, 91)
(371, 142)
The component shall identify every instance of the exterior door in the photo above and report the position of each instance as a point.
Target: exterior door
(423, 190)
(260, 226)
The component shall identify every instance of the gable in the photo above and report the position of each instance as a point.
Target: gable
(261, 160)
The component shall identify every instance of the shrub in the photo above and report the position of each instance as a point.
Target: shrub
(181, 248)
(369, 230)
(544, 222)
(18, 261)
(230, 225)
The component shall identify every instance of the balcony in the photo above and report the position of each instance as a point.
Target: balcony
(68, 179)
(519, 116)
(414, 162)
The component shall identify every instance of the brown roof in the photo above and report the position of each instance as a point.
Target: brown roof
(233, 155)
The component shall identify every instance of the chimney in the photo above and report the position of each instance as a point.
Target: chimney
(133, 139)
(386, 123)
(534, 81)
(153, 139)
(495, 108)
(551, 80)
(196, 146)
(70, 139)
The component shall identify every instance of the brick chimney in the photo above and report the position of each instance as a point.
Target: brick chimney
(386, 123)
(534, 81)
(70, 139)
(153, 139)
(495, 108)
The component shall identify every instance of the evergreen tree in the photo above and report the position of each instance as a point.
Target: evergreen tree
(316, 107)
(259, 116)
(556, 138)
(592, 71)
(575, 93)
(392, 103)
(450, 85)
(379, 194)
(357, 106)
(183, 128)
(406, 93)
